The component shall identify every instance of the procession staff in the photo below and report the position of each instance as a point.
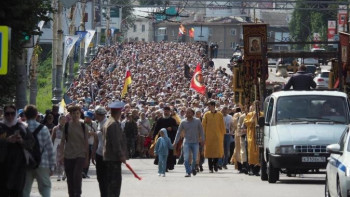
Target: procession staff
(114, 150)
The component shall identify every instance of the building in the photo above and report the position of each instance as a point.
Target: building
(142, 30)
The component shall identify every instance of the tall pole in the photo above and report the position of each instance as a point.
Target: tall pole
(82, 28)
(70, 76)
(54, 45)
(108, 32)
(21, 82)
(58, 89)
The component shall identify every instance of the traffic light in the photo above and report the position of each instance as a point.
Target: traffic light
(27, 40)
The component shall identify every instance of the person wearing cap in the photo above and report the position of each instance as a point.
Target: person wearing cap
(114, 149)
(92, 127)
(170, 124)
(214, 130)
(97, 150)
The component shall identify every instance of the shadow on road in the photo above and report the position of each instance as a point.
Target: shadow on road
(302, 181)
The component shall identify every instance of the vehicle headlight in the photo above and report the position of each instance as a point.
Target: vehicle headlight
(284, 150)
(347, 171)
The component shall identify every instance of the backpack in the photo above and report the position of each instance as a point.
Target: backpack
(66, 130)
(34, 156)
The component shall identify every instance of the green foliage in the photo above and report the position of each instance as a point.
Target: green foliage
(127, 16)
(8, 86)
(151, 2)
(21, 16)
(305, 22)
(44, 84)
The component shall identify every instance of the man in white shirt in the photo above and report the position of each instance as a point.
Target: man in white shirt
(228, 137)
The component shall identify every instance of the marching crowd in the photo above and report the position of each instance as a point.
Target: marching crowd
(160, 116)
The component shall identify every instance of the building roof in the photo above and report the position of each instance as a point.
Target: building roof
(275, 19)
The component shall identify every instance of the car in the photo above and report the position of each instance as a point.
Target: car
(321, 80)
(272, 62)
(297, 128)
(311, 69)
(308, 61)
(290, 62)
(338, 167)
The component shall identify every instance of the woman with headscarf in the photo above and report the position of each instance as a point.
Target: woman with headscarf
(13, 139)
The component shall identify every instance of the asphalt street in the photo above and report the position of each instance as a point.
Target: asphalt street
(223, 183)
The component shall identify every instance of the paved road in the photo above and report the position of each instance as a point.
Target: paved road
(224, 183)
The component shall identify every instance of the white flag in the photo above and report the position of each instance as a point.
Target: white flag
(88, 37)
(31, 50)
(69, 42)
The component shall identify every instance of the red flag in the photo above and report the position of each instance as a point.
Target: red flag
(197, 81)
(191, 33)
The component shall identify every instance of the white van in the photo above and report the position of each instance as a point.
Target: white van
(297, 128)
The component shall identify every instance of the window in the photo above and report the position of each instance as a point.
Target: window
(312, 108)
(233, 45)
(135, 28)
(269, 111)
(233, 31)
(143, 28)
(342, 140)
(143, 39)
(210, 31)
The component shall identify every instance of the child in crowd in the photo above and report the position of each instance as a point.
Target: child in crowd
(162, 150)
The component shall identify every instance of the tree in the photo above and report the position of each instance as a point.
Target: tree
(23, 18)
(306, 22)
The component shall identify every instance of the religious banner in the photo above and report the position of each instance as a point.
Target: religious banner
(69, 42)
(88, 37)
(254, 71)
(331, 30)
(341, 71)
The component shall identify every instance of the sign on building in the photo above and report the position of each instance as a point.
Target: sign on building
(5, 33)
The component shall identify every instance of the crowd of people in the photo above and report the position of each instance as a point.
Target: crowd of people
(159, 116)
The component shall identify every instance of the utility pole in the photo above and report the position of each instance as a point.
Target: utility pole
(58, 89)
(70, 76)
(54, 46)
(108, 32)
(21, 81)
(82, 43)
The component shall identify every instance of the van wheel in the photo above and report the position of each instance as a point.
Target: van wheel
(263, 170)
(326, 189)
(273, 173)
(338, 188)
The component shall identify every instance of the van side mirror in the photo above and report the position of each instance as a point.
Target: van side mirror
(334, 148)
(261, 121)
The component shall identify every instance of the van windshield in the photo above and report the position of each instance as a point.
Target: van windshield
(312, 108)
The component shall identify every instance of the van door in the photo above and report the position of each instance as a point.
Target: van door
(268, 118)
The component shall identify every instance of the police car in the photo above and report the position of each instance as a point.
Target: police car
(338, 167)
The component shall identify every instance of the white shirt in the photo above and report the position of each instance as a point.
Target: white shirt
(228, 120)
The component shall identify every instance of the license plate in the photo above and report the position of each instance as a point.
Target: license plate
(313, 159)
